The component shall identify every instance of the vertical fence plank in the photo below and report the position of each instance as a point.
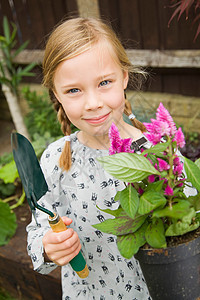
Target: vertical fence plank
(130, 28)
(109, 12)
(47, 14)
(22, 21)
(149, 24)
(170, 35)
(36, 21)
(5, 10)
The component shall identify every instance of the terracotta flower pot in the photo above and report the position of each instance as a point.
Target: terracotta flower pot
(172, 273)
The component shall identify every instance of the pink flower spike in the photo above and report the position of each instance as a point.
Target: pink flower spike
(115, 140)
(163, 165)
(149, 126)
(176, 161)
(169, 191)
(179, 138)
(126, 145)
(181, 182)
(153, 138)
(178, 169)
(151, 178)
(163, 115)
(117, 144)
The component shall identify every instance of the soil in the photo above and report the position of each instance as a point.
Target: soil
(16, 271)
(177, 240)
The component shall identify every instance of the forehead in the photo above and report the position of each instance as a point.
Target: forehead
(95, 62)
(100, 55)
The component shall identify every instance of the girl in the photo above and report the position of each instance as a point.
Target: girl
(86, 70)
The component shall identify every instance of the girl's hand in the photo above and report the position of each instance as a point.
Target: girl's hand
(61, 247)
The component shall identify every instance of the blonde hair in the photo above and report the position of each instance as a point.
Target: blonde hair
(69, 39)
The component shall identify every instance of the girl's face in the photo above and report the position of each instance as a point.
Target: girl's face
(90, 88)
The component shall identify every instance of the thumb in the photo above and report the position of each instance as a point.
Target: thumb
(66, 220)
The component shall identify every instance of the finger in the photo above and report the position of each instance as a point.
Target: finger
(64, 245)
(66, 259)
(66, 220)
(55, 255)
(57, 237)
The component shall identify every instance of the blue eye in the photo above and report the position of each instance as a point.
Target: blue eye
(73, 91)
(104, 82)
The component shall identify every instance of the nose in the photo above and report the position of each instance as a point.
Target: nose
(93, 101)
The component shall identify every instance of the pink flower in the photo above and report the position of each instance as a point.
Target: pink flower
(157, 129)
(117, 144)
(163, 165)
(140, 191)
(169, 191)
(153, 138)
(179, 138)
(176, 161)
(178, 169)
(151, 178)
(181, 182)
(178, 166)
(164, 116)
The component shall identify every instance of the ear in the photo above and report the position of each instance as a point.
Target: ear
(126, 78)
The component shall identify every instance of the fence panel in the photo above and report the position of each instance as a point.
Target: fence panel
(36, 18)
(141, 24)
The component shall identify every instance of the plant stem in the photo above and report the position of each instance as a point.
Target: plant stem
(19, 202)
(171, 164)
(10, 198)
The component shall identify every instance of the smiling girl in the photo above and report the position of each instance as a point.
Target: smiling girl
(86, 70)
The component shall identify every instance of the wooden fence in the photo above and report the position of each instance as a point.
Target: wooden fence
(168, 53)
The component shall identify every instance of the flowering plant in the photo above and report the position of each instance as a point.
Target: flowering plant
(154, 204)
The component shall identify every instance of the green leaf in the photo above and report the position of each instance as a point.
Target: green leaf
(197, 162)
(121, 225)
(6, 29)
(195, 201)
(129, 200)
(117, 196)
(13, 35)
(129, 167)
(193, 173)
(180, 228)
(149, 201)
(176, 211)
(6, 189)
(155, 186)
(157, 149)
(20, 49)
(8, 223)
(9, 173)
(129, 244)
(114, 213)
(155, 234)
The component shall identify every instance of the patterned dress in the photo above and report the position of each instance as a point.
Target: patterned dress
(77, 194)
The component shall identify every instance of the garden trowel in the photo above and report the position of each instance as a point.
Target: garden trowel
(35, 187)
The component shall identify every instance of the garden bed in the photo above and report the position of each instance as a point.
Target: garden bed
(16, 272)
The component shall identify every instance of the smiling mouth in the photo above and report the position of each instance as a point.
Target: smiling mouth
(98, 120)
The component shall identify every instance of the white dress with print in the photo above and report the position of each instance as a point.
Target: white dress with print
(77, 194)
